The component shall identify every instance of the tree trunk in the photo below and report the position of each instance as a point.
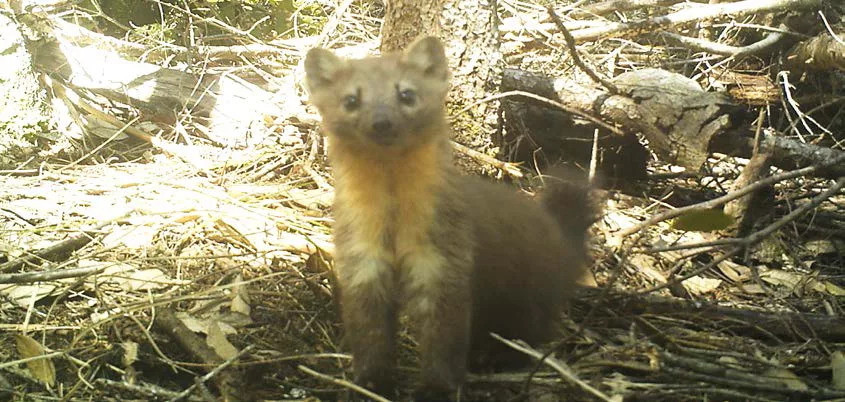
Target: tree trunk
(470, 30)
(406, 20)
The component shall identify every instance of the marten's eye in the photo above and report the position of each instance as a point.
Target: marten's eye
(408, 97)
(351, 103)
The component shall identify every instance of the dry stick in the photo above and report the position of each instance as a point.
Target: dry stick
(572, 110)
(52, 275)
(556, 364)
(31, 359)
(343, 383)
(510, 168)
(202, 380)
(730, 196)
(725, 50)
(576, 58)
(333, 22)
(690, 14)
(51, 252)
(762, 233)
(101, 146)
(612, 6)
(151, 391)
(699, 271)
(758, 235)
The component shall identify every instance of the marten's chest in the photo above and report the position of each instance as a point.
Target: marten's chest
(385, 215)
(387, 206)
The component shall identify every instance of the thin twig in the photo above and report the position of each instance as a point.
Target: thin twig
(343, 383)
(211, 374)
(556, 364)
(511, 169)
(756, 236)
(730, 196)
(561, 106)
(576, 58)
(52, 275)
(721, 49)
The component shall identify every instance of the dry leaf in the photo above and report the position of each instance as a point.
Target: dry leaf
(735, 272)
(130, 353)
(236, 320)
(132, 237)
(42, 369)
(200, 325)
(22, 295)
(787, 378)
(698, 285)
(217, 341)
(752, 289)
(834, 289)
(146, 279)
(799, 282)
(646, 264)
(240, 299)
(837, 365)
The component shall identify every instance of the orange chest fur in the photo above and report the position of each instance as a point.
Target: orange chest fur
(387, 204)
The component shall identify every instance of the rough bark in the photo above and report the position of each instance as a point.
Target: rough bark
(469, 29)
(681, 122)
(746, 209)
(406, 20)
(786, 153)
(822, 52)
(672, 112)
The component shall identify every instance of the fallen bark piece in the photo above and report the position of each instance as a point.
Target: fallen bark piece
(672, 111)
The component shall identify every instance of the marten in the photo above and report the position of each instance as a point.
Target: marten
(461, 256)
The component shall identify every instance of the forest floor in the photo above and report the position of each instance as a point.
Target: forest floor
(130, 272)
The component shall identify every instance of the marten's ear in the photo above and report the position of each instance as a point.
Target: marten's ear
(428, 55)
(321, 67)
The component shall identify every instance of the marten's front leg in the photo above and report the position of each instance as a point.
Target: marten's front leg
(369, 312)
(440, 300)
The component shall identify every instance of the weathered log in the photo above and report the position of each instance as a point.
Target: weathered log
(822, 52)
(786, 153)
(755, 323)
(672, 112)
(681, 122)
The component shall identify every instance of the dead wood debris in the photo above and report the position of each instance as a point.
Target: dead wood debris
(205, 252)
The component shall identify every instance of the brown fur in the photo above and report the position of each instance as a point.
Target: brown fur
(462, 256)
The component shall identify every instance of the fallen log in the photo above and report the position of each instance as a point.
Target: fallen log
(760, 324)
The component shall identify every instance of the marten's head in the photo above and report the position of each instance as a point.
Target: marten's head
(394, 101)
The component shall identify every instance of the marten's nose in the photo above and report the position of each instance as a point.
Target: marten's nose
(383, 129)
(382, 125)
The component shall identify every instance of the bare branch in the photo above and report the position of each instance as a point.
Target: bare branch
(690, 14)
(726, 50)
(728, 197)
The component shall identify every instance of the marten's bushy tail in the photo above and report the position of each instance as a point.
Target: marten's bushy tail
(567, 197)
